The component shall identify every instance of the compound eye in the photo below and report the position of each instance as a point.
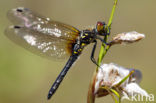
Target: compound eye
(100, 26)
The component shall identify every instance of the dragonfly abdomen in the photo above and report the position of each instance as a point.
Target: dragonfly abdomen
(61, 76)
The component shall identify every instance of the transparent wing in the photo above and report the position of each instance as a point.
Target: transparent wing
(43, 45)
(41, 35)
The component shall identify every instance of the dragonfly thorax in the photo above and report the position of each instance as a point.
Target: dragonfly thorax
(87, 37)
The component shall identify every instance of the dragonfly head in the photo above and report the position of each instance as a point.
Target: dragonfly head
(101, 28)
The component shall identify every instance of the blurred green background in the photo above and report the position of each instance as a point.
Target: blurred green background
(26, 78)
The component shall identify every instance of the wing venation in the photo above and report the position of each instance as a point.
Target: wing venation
(39, 34)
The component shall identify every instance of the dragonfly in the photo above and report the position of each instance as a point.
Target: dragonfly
(52, 39)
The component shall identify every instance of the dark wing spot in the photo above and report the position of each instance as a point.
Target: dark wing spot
(17, 27)
(19, 10)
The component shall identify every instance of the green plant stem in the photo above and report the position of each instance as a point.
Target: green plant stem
(105, 48)
(112, 13)
(124, 79)
(102, 53)
(117, 94)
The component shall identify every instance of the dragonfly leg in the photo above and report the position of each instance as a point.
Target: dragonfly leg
(103, 41)
(108, 30)
(92, 54)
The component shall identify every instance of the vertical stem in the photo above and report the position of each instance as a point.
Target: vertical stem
(91, 96)
(112, 13)
(103, 51)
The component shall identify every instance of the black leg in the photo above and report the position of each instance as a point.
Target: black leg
(108, 31)
(92, 54)
(102, 40)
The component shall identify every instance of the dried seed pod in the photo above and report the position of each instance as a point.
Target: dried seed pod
(127, 37)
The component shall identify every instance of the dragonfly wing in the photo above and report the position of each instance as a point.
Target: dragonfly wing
(29, 19)
(47, 38)
(38, 43)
